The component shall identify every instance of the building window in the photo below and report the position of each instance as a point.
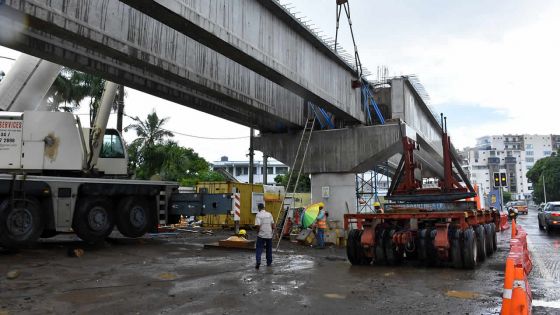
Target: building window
(528, 147)
(270, 170)
(529, 160)
(281, 170)
(547, 153)
(255, 170)
(529, 153)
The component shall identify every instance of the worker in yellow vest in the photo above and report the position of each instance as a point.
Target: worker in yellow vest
(321, 225)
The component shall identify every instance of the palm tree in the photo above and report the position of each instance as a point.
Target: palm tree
(149, 131)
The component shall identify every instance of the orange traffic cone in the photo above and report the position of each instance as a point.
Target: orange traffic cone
(508, 286)
(519, 298)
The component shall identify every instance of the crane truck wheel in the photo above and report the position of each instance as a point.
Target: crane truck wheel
(21, 224)
(352, 247)
(93, 219)
(488, 235)
(481, 242)
(133, 216)
(470, 250)
(456, 250)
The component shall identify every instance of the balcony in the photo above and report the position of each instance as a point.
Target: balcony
(493, 160)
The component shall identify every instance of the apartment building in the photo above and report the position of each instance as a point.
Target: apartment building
(240, 169)
(510, 154)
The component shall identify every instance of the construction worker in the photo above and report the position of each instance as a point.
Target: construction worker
(266, 228)
(321, 227)
(377, 207)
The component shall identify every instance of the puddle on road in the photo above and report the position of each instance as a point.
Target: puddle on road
(551, 304)
(469, 295)
(335, 296)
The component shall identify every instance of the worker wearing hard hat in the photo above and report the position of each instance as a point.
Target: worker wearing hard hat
(242, 233)
(321, 225)
(377, 207)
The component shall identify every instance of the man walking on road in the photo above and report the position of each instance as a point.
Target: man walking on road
(266, 227)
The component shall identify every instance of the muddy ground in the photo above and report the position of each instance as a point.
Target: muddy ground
(176, 275)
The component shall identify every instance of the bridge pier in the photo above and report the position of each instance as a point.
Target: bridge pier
(337, 191)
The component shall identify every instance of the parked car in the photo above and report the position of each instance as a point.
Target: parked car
(520, 206)
(549, 216)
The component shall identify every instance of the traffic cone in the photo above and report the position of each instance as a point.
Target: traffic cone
(508, 286)
(513, 228)
(519, 298)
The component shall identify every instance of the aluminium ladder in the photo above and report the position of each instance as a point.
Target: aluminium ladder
(297, 168)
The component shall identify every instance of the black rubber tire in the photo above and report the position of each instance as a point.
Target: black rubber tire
(470, 251)
(421, 245)
(456, 250)
(93, 219)
(352, 247)
(541, 227)
(494, 237)
(392, 253)
(380, 256)
(481, 243)
(21, 225)
(431, 251)
(134, 216)
(488, 240)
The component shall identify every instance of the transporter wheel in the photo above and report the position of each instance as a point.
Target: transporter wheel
(431, 251)
(352, 247)
(494, 237)
(488, 239)
(133, 216)
(392, 254)
(470, 250)
(481, 243)
(456, 250)
(21, 224)
(380, 256)
(421, 245)
(93, 219)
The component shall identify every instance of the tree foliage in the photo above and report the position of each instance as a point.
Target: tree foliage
(548, 167)
(507, 196)
(153, 154)
(304, 184)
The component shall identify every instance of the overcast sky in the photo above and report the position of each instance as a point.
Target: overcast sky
(491, 66)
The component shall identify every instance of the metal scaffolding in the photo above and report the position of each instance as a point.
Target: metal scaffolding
(369, 186)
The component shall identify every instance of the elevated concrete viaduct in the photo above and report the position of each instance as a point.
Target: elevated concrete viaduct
(247, 61)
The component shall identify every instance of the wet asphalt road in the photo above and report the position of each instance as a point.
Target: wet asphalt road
(545, 253)
(178, 276)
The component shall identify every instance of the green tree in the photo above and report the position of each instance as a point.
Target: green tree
(549, 168)
(150, 131)
(507, 197)
(304, 184)
(152, 154)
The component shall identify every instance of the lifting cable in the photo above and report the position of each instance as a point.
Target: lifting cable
(367, 96)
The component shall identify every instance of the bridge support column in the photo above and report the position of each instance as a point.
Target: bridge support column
(337, 191)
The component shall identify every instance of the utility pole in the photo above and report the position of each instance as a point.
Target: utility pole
(265, 169)
(251, 156)
(544, 188)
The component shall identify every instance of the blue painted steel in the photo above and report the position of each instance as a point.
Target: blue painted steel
(370, 101)
(326, 122)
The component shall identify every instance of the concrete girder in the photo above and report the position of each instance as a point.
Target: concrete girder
(119, 43)
(290, 55)
(350, 150)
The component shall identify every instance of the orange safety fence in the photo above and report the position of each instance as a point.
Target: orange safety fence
(504, 225)
(517, 296)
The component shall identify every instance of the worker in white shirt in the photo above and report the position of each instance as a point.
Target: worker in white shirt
(266, 228)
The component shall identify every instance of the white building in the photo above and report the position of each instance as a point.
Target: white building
(240, 169)
(510, 154)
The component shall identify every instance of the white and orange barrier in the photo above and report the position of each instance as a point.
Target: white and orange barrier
(517, 296)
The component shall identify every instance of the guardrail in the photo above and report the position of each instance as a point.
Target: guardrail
(517, 296)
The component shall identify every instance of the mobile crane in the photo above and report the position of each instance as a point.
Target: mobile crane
(440, 225)
(57, 176)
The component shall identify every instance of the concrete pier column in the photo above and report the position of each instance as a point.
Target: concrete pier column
(335, 190)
